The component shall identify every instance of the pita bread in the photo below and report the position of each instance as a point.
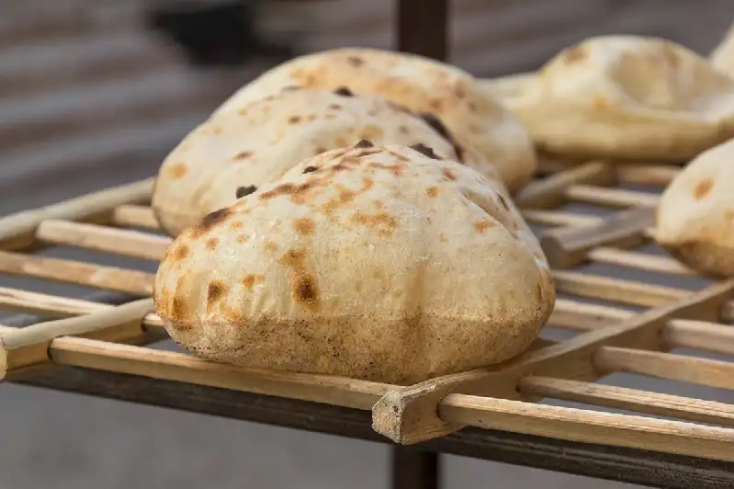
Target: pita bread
(624, 97)
(246, 148)
(722, 57)
(695, 214)
(420, 84)
(382, 263)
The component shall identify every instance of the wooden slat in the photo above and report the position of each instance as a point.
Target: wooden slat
(584, 317)
(610, 197)
(75, 272)
(630, 399)
(639, 261)
(18, 229)
(101, 238)
(566, 247)
(702, 335)
(592, 427)
(135, 216)
(702, 371)
(616, 290)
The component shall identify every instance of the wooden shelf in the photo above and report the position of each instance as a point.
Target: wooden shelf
(635, 326)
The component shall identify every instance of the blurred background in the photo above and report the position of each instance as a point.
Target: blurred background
(95, 93)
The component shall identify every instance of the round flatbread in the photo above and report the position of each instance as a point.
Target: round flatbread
(474, 118)
(383, 263)
(695, 214)
(236, 152)
(624, 97)
(722, 57)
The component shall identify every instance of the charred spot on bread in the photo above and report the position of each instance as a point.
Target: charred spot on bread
(344, 92)
(215, 291)
(245, 191)
(503, 202)
(355, 61)
(309, 169)
(211, 220)
(242, 155)
(425, 151)
(363, 143)
(702, 188)
(441, 129)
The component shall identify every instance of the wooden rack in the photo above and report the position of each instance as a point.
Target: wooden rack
(615, 325)
(594, 221)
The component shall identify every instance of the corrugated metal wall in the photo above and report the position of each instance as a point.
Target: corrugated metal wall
(88, 97)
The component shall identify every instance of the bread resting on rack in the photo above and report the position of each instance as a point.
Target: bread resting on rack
(722, 57)
(240, 150)
(695, 214)
(387, 263)
(422, 85)
(623, 97)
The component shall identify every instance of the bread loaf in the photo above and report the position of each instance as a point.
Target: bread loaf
(625, 98)
(695, 214)
(236, 152)
(473, 118)
(388, 263)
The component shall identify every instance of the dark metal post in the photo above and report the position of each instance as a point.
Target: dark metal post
(423, 27)
(414, 469)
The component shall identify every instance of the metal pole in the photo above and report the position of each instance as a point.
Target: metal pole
(423, 27)
(414, 469)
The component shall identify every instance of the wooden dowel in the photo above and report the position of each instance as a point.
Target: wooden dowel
(701, 335)
(51, 306)
(26, 347)
(702, 371)
(17, 230)
(45, 304)
(558, 218)
(568, 246)
(102, 238)
(639, 261)
(652, 175)
(616, 290)
(591, 427)
(584, 317)
(552, 191)
(630, 399)
(74, 272)
(610, 197)
(135, 216)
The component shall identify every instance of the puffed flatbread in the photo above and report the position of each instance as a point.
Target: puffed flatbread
(236, 152)
(695, 214)
(722, 57)
(420, 84)
(623, 97)
(385, 263)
